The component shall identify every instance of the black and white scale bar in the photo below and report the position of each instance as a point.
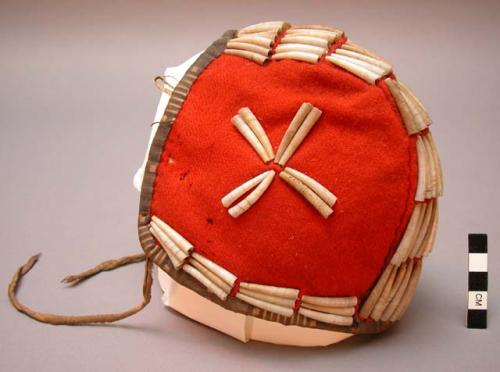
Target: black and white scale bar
(478, 281)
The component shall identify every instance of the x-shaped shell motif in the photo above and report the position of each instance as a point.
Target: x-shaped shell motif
(250, 128)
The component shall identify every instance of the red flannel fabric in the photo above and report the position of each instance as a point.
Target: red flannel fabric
(359, 149)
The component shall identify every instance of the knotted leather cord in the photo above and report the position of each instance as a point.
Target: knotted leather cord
(57, 319)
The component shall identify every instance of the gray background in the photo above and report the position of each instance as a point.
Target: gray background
(75, 106)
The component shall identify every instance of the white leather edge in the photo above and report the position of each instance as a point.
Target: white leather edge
(240, 326)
